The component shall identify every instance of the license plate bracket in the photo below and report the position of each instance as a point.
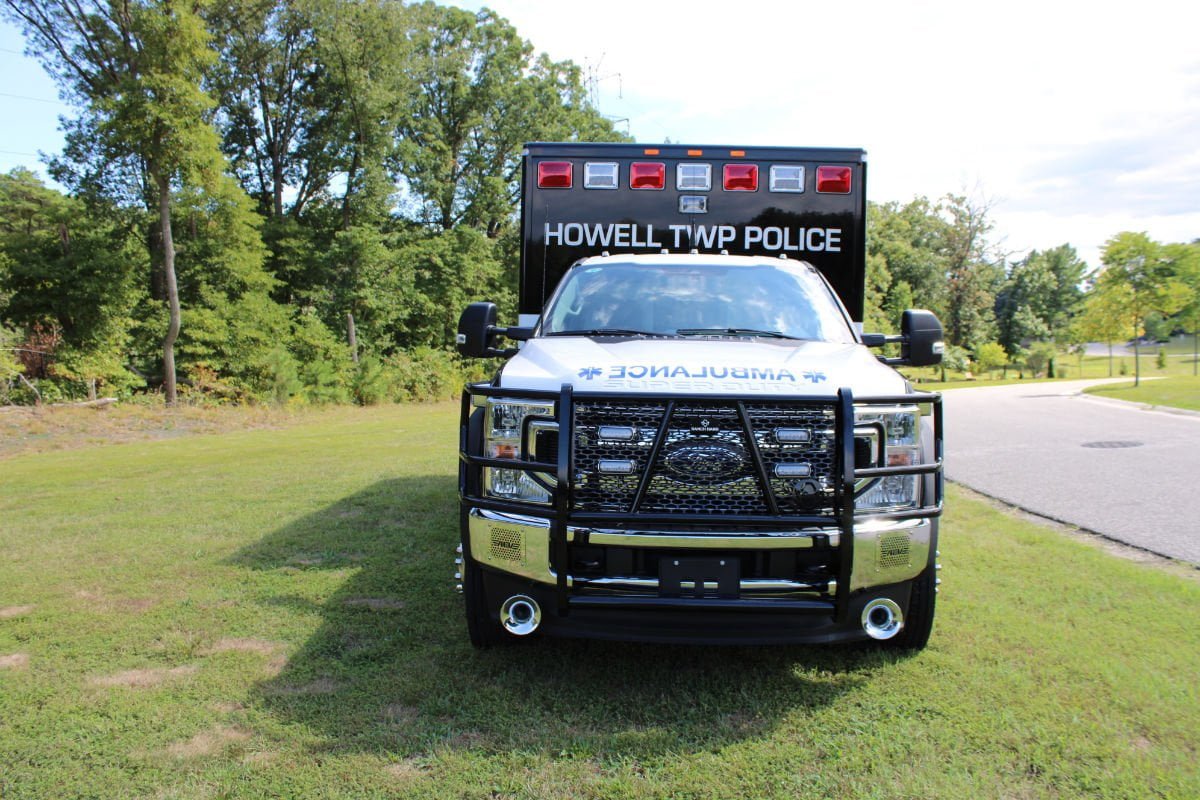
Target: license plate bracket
(699, 577)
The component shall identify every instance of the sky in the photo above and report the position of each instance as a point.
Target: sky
(1071, 121)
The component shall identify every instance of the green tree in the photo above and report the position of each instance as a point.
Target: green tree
(972, 274)
(1140, 263)
(1040, 297)
(70, 270)
(1105, 315)
(135, 71)
(480, 94)
(1185, 267)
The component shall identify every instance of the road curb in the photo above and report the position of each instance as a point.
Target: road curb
(1181, 412)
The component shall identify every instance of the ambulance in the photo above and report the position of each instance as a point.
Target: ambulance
(690, 437)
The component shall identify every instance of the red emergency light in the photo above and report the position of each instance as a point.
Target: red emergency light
(647, 175)
(833, 180)
(554, 175)
(741, 177)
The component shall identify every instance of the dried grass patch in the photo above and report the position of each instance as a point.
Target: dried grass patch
(243, 645)
(207, 743)
(8, 612)
(143, 678)
(14, 661)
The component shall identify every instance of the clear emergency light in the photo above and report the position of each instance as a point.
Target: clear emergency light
(833, 180)
(787, 178)
(693, 177)
(600, 175)
(554, 175)
(647, 175)
(741, 177)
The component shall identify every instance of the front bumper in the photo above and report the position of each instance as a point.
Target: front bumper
(795, 604)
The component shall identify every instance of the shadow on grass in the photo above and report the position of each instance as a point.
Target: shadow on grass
(390, 668)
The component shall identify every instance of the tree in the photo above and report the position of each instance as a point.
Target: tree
(1184, 260)
(1039, 298)
(71, 270)
(1105, 316)
(1138, 262)
(135, 69)
(480, 95)
(972, 274)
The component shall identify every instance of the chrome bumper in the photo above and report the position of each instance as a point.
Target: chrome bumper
(885, 551)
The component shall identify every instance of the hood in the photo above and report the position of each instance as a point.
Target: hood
(699, 366)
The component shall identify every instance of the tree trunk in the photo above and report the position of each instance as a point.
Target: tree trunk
(351, 177)
(352, 336)
(1110, 359)
(168, 254)
(1137, 362)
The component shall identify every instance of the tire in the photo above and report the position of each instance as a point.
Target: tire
(922, 602)
(484, 631)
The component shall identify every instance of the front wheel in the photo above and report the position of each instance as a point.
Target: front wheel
(918, 622)
(484, 631)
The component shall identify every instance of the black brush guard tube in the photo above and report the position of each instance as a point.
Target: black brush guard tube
(560, 509)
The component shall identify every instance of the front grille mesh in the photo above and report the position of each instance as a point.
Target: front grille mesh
(705, 462)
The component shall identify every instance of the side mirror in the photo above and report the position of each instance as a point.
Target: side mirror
(922, 342)
(474, 330)
(477, 332)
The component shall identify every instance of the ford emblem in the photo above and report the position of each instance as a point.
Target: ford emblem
(705, 462)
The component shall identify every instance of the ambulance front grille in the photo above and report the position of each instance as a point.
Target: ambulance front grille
(705, 461)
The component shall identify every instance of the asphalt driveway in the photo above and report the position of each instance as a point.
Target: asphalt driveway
(1114, 468)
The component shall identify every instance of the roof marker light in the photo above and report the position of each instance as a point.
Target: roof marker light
(647, 175)
(737, 153)
(650, 151)
(600, 175)
(833, 180)
(695, 152)
(554, 175)
(741, 178)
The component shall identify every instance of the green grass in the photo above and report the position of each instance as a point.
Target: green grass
(269, 613)
(1067, 367)
(1177, 392)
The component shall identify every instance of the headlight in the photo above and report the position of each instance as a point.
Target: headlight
(901, 447)
(502, 439)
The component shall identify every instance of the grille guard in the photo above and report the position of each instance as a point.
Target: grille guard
(561, 514)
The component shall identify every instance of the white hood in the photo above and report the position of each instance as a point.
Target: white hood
(699, 366)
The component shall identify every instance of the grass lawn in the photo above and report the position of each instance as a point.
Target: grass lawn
(1067, 367)
(269, 613)
(1178, 392)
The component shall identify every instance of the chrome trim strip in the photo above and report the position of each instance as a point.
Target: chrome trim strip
(775, 540)
(747, 584)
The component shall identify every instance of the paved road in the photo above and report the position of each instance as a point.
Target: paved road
(1029, 446)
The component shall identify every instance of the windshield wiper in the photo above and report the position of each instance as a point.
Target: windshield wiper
(605, 332)
(733, 332)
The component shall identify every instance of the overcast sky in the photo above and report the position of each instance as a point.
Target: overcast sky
(1075, 120)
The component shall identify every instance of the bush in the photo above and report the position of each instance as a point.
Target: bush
(990, 356)
(428, 373)
(1161, 360)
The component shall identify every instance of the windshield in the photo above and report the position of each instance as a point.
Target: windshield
(787, 300)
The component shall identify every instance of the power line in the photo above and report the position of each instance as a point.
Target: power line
(34, 99)
(18, 153)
